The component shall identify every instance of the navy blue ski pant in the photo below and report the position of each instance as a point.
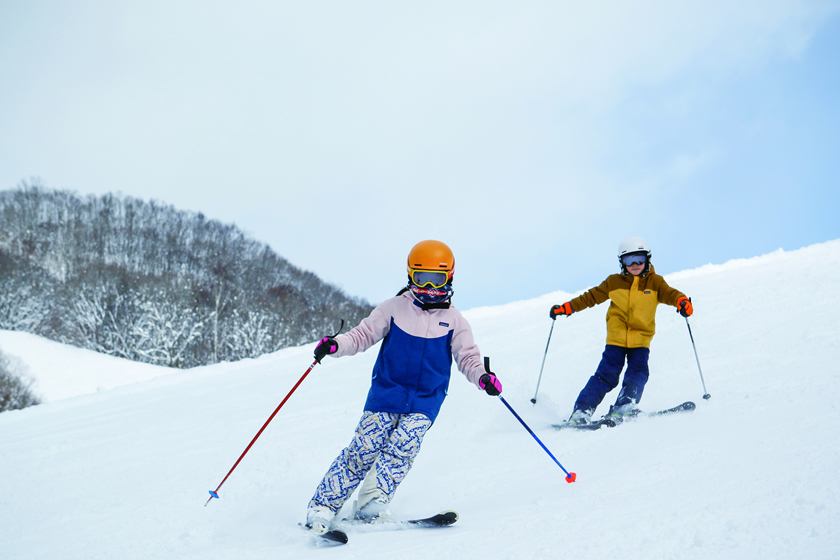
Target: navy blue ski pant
(606, 377)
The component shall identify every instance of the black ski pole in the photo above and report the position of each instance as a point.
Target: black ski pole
(706, 395)
(534, 400)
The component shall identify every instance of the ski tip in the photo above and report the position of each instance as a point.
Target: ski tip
(334, 536)
(571, 478)
(328, 538)
(214, 495)
(450, 514)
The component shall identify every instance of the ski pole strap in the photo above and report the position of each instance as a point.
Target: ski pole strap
(570, 477)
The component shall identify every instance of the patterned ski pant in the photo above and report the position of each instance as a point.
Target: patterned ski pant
(383, 440)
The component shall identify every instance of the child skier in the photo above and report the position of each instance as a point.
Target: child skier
(634, 295)
(421, 333)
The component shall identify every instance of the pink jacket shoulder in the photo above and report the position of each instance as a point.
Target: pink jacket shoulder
(411, 319)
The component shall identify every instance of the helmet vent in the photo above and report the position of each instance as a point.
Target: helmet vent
(431, 254)
(420, 265)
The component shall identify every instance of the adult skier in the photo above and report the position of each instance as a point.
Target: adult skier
(421, 333)
(634, 295)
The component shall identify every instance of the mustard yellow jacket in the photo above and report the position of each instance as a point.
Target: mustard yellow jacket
(631, 318)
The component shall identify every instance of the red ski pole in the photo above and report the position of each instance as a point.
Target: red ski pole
(215, 493)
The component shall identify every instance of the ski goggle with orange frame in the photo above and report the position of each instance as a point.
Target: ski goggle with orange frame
(433, 278)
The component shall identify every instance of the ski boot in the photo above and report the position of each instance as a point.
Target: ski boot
(319, 519)
(375, 511)
(581, 417)
(619, 414)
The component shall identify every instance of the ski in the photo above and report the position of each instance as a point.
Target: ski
(611, 423)
(596, 425)
(687, 406)
(442, 519)
(333, 536)
(336, 536)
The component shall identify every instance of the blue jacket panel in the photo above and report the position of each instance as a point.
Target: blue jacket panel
(418, 349)
(411, 374)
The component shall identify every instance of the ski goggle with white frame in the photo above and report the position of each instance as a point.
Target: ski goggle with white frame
(433, 278)
(633, 258)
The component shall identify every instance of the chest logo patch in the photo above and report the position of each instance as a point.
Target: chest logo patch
(647, 292)
(443, 324)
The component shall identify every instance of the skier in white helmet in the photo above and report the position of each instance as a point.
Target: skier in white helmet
(634, 294)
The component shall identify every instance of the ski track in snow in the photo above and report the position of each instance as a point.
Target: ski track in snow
(120, 465)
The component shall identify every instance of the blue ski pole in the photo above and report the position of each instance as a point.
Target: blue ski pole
(570, 477)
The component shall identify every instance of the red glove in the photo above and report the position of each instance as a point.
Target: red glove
(565, 309)
(684, 307)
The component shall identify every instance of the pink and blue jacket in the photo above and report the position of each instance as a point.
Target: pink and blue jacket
(412, 371)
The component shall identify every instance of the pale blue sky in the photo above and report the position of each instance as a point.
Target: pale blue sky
(531, 136)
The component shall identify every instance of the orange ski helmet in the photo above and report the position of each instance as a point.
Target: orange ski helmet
(431, 255)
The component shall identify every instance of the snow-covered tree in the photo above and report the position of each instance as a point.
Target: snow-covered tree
(15, 385)
(145, 281)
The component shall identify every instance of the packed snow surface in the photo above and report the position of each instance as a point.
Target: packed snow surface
(118, 461)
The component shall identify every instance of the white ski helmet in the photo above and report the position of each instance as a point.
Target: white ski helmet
(634, 245)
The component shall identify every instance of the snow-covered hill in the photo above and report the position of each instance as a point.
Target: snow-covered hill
(61, 371)
(752, 473)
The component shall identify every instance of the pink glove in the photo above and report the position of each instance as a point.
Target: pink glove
(327, 345)
(490, 383)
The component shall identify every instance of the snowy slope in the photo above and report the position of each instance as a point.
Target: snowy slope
(752, 473)
(62, 371)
